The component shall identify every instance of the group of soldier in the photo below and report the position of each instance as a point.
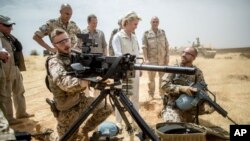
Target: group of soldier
(69, 92)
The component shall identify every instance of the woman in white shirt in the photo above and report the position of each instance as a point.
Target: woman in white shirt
(124, 42)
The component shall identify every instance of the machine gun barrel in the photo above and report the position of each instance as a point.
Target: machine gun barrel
(168, 69)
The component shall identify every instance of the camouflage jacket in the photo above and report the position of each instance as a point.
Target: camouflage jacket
(171, 82)
(157, 46)
(72, 29)
(65, 88)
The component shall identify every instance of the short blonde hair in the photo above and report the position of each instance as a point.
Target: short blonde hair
(56, 32)
(131, 16)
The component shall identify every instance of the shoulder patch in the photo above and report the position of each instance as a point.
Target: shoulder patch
(43, 29)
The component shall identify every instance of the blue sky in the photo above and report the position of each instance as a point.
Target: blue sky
(218, 23)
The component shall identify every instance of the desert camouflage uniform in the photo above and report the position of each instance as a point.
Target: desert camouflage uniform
(14, 82)
(157, 53)
(72, 29)
(170, 84)
(69, 97)
(99, 38)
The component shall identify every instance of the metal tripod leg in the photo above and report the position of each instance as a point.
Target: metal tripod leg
(136, 116)
(121, 111)
(72, 129)
(126, 103)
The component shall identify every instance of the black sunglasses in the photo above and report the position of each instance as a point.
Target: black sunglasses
(10, 25)
(188, 53)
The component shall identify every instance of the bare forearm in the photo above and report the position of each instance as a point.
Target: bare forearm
(41, 42)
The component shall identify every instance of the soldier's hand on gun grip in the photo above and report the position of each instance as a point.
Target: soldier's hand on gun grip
(109, 81)
(188, 90)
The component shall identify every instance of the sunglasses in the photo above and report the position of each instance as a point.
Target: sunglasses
(63, 41)
(6, 25)
(185, 52)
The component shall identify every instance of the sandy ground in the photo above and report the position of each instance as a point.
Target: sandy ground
(227, 75)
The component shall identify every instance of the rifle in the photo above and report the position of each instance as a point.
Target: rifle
(202, 95)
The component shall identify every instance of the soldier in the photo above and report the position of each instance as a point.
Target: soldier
(62, 22)
(124, 42)
(176, 84)
(111, 50)
(68, 90)
(99, 38)
(156, 52)
(12, 68)
(6, 133)
(95, 34)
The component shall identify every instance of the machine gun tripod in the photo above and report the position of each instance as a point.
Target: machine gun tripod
(123, 100)
(89, 66)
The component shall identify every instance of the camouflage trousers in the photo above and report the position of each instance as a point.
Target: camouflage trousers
(171, 114)
(66, 118)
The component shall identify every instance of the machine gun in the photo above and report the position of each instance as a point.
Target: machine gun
(88, 66)
(200, 97)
